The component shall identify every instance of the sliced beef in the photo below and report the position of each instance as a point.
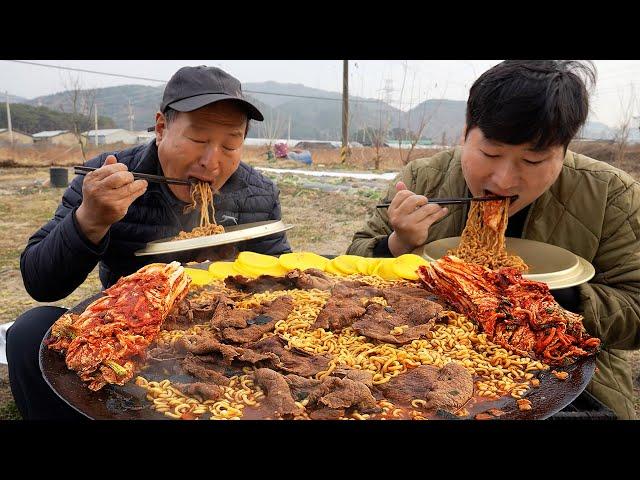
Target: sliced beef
(309, 279)
(204, 343)
(264, 283)
(414, 309)
(343, 393)
(268, 315)
(379, 321)
(301, 387)
(355, 288)
(447, 388)
(180, 317)
(327, 413)
(278, 398)
(203, 370)
(362, 376)
(163, 354)
(208, 391)
(226, 316)
(207, 343)
(338, 313)
(251, 356)
(288, 360)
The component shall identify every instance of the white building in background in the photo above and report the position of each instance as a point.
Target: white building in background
(56, 137)
(19, 138)
(257, 142)
(144, 136)
(111, 135)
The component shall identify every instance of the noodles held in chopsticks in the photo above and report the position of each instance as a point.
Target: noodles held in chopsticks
(201, 194)
(483, 238)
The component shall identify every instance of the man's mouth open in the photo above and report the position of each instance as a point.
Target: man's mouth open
(489, 193)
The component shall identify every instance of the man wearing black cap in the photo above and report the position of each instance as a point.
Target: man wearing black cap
(106, 216)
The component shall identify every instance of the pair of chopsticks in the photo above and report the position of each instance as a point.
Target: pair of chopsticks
(451, 201)
(82, 170)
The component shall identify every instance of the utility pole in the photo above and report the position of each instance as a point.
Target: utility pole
(130, 117)
(345, 111)
(95, 128)
(9, 119)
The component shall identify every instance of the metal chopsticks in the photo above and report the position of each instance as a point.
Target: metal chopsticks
(82, 170)
(451, 201)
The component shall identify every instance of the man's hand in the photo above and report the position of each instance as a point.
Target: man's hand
(410, 217)
(107, 194)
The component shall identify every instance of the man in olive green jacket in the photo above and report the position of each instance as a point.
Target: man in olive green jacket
(564, 199)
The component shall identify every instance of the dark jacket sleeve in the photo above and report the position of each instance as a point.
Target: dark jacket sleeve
(273, 244)
(58, 257)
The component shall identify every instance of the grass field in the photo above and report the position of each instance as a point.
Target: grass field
(25, 205)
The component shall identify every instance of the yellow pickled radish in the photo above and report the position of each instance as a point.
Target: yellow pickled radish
(198, 276)
(346, 263)
(385, 269)
(363, 265)
(254, 271)
(243, 270)
(373, 264)
(221, 270)
(406, 266)
(257, 260)
(302, 260)
(329, 267)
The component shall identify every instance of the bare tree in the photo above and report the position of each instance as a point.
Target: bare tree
(80, 104)
(412, 136)
(272, 129)
(379, 135)
(621, 139)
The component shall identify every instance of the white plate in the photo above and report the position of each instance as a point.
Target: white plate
(232, 234)
(555, 266)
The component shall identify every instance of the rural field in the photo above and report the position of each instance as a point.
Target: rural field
(27, 202)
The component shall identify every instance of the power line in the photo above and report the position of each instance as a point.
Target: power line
(87, 71)
(338, 99)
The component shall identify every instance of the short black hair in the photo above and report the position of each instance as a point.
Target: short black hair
(170, 115)
(543, 102)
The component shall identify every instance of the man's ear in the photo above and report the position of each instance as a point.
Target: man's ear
(464, 134)
(161, 125)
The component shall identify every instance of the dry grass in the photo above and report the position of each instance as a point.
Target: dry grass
(42, 155)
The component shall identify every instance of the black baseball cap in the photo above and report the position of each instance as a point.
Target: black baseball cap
(191, 88)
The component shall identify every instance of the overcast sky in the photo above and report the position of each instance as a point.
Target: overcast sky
(618, 80)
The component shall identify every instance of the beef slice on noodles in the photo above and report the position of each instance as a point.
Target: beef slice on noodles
(203, 343)
(336, 392)
(208, 391)
(416, 310)
(310, 278)
(345, 305)
(383, 324)
(447, 388)
(362, 376)
(278, 398)
(264, 283)
(202, 369)
(332, 392)
(225, 316)
(289, 360)
(180, 317)
(267, 316)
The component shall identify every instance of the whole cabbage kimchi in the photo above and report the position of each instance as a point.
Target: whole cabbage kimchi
(107, 342)
(517, 313)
